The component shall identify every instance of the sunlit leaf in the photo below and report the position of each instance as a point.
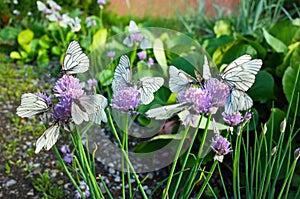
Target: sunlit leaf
(25, 37)
(275, 43)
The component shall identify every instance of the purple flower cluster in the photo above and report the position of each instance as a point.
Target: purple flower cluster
(221, 146)
(68, 156)
(233, 120)
(142, 55)
(66, 89)
(90, 22)
(111, 54)
(206, 99)
(85, 190)
(126, 98)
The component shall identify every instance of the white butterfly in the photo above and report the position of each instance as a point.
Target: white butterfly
(146, 85)
(180, 80)
(48, 139)
(89, 108)
(75, 60)
(239, 75)
(31, 105)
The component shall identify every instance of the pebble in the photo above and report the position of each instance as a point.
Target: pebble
(10, 182)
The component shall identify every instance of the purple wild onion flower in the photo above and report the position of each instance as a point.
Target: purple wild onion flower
(221, 146)
(126, 99)
(65, 149)
(142, 55)
(101, 3)
(92, 83)
(85, 190)
(62, 110)
(233, 120)
(68, 87)
(68, 158)
(111, 54)
(247, 116)
(218, 90)
(198, 97)
(150, 62)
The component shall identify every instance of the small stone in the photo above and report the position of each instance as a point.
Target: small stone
(10, 183)
(117, 179)
(30, 193)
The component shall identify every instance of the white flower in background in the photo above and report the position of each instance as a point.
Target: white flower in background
(75, 24)
(53, 5)
(68, 21)
(15, 2)
(16, 12)
(136, 37)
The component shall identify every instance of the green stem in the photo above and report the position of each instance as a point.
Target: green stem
(110, 122)
(62, 163)
(186, 158)
(197, 166)
(165, 193)
(87, 165)
(207, 179)
(286, 180)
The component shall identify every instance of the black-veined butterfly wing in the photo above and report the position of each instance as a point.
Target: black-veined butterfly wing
(75, 60)
(168, 111)
(99, 115)
(238, 101)
(240, 74)
(122, 75)
(89, 108)
(48, 139)
(179, 80)
(31, 105)
(147, 86)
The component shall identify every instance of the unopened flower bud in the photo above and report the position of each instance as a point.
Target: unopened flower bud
(297, 153)
(283, 126)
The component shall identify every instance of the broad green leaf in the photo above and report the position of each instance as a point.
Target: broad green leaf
(261, 51)
(15, 55)
(105, 77)
(275, 43)
(99, 39)
(25, 37)
(291, 81)
(159, 53)
(226, 54)
(284, 31)
(262, 89)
